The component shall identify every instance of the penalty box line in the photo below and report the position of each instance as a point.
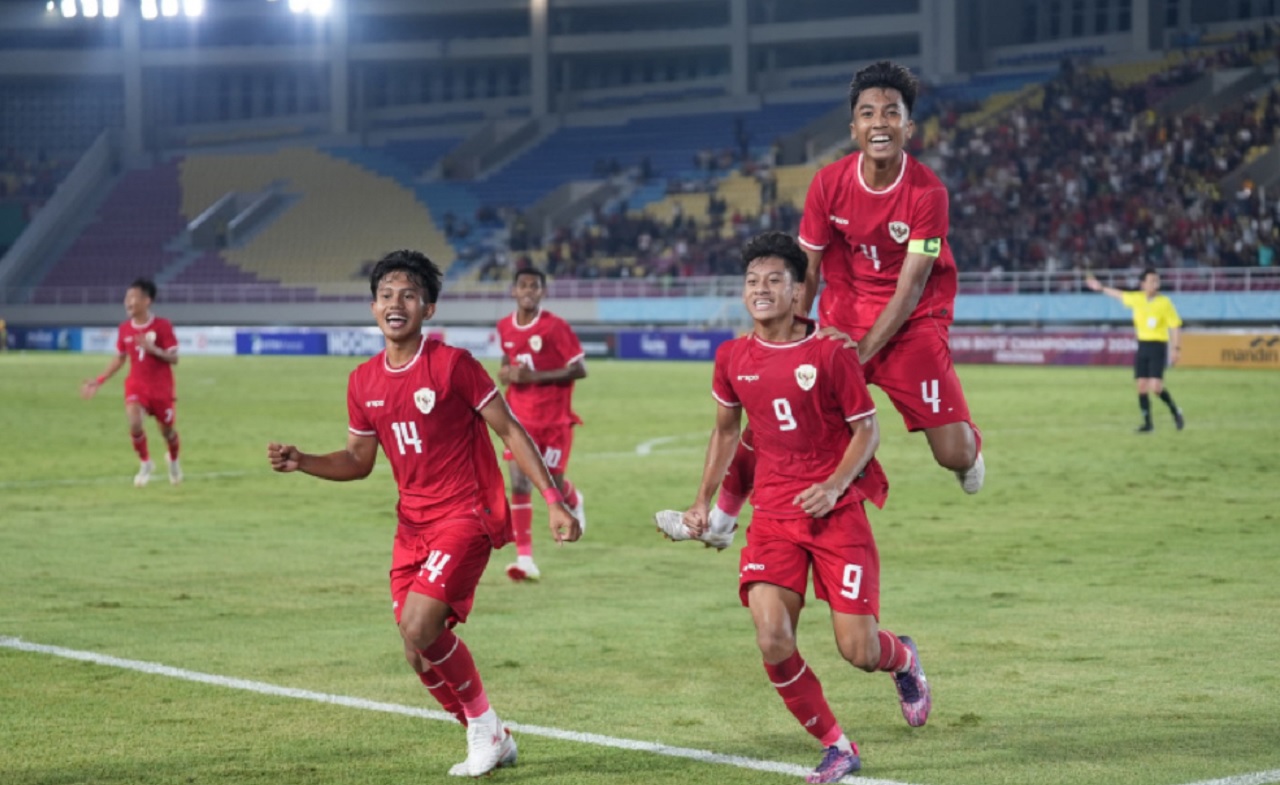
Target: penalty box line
(263, 688)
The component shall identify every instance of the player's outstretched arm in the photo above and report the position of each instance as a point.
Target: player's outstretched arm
(353, 463)
(916, 268)
(820, 498)
(89, 387)
(564, 527)
(720, 449)
(1094, 284)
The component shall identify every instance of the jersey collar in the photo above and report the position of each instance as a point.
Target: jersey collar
(515, 322)
(386, 366)
(906, 161)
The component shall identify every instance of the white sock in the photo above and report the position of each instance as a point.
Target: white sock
(721, 522)
(843, 744)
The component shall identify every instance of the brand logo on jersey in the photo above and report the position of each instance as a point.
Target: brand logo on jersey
(754, 567)
(839, 220)
(748, 378)
(899, 231)
(535, 343)
(425, 400)
(806, 376)
(374, 404)
(509, 344)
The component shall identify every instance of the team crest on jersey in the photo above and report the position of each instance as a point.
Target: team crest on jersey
(425, 400)
(535, 343)
(806, 376)
(899, 231)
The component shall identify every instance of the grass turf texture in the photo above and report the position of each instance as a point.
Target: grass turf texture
(1104, 611)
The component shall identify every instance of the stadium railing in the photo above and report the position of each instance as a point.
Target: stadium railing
(1189, 279)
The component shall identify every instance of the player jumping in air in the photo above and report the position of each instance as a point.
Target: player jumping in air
(815, 440)
(149, 344)
(875, 229)
(427, 404)
(541, 359)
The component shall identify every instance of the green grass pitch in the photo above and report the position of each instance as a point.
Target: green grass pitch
(1105, 611)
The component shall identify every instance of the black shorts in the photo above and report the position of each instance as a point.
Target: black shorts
(1150, 360)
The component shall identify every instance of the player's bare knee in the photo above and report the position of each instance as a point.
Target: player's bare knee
(861, 654)
(420, 633)
(775, 646)
(136, 430)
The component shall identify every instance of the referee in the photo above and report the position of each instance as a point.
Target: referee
(1159, 339)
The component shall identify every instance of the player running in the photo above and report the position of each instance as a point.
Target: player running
(815, 440)
(541, 359)
(427, 405)
(149, 344)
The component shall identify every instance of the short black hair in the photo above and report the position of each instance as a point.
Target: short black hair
(146, 286)
(542, 277)
(419, 268)
(885, 75)
(1148, 271)
(781, 245)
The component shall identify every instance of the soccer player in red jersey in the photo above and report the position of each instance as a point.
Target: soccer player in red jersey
(427, 405)
(149, 344)
(815, 436)
(875, 226)
(541, 359)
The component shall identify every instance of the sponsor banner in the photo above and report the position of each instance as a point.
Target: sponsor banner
(198, 341)
(597, 343)
(358, 342)
(652, 345)
(280, 342)
(45, 339)
(482, 342)
(1230, 350)
(1055, 347)
(99, 340)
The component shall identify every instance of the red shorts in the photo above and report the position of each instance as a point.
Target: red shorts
(846, 564)
(915, 371)
(163, 409)
(443, 560)
(554, 442)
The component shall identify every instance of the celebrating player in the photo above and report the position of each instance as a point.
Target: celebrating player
(541, 359)
(875, 225)
(1159, 330)
(149, 344)
(427, 404)
(815, 439)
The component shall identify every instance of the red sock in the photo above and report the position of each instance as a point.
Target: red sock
(569, 493)
(738, 481)
(895, 657)
(435, 685)
(522, 523)
(802, 693)
(450, 657)
(173, 446)
(140, 445)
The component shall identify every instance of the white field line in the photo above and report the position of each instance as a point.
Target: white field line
(1256, 778)
(262, 688)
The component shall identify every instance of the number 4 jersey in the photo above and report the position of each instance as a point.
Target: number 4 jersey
(799, 399)
(426, 416)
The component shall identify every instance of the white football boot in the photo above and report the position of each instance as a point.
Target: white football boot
(971, 479)
(488, 743)
(143, 476)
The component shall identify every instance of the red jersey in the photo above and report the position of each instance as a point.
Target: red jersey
(426, 416)
(865, 236)
(799, 399)
(547, 343)
(149, 376)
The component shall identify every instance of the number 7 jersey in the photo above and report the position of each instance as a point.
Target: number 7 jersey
(799, 398)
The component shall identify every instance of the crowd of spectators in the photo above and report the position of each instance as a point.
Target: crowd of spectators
(30, 179)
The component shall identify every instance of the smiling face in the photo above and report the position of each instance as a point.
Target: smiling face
(528, 291)
(881, 125)
(400, 307)
(769, 290)
(137, 304)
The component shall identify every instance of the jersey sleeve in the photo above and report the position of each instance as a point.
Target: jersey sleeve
(165, 336)
(1131, 300)
(470, 380)
(357, 421)
(721, 388)
(120, 340)
(1171, 316)
(848, 385)
(570, 344)
(929, 223)
(815, 228)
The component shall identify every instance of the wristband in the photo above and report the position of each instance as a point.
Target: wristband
(553, 496)
(101, 380)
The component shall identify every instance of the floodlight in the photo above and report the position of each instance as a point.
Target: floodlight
(111, 8)
(321, 7)
(298, 6)
(68, 8)
(193, 8)
(168, 7)
(149, 10)
(89, 8)
(50, 6)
